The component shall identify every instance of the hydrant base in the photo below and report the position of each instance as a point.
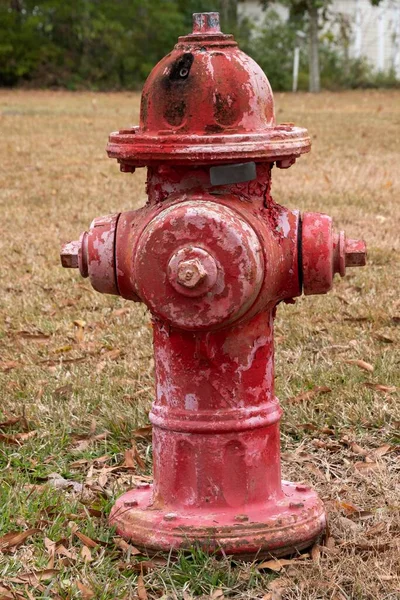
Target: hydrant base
(279, 527)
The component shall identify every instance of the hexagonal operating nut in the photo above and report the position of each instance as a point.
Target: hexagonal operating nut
(190, 273)
(355, 253)
(70, 255)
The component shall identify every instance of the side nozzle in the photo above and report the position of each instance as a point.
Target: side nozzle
(74, 255)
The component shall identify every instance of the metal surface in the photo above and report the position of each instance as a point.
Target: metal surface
(212, 257)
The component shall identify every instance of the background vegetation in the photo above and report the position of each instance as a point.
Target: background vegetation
(113, 44)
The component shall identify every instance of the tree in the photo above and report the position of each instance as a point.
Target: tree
(313, 12)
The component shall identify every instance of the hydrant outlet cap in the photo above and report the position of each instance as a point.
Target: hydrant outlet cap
(198, 265)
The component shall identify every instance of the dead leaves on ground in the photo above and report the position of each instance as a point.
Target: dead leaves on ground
(17, 439)
(378, 387)
(361, 364)
(278, 564)
(11, 541)
(309, 394)
(86, 592)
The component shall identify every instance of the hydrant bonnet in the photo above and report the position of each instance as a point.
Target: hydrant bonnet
(236, 121)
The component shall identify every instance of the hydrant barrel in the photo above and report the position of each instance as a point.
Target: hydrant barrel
(211, 255)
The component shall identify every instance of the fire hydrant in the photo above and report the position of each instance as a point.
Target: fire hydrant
(211, 255)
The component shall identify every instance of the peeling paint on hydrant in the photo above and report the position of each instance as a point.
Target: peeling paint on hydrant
(211, 255)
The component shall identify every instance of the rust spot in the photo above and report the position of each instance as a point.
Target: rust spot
(175, 113)
(226, 109)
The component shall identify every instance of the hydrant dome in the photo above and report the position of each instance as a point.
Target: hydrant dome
(206, 102)
(200, 89)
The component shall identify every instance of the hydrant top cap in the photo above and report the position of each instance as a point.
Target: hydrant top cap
(206, 22)
(206, 102)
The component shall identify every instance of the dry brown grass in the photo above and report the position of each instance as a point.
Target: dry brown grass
(70, 380)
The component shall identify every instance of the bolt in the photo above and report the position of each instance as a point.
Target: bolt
(286, 163)
(126, 168)
(302, 488)
(190, 273)
(356, 253)
(131, 503)
(142, 485)
(69, 255)
(241, 518)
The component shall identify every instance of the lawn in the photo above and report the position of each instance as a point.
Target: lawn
(76, 367)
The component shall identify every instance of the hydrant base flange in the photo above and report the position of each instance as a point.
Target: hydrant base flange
(279, 526)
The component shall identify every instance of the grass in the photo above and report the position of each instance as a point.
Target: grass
(76, 367)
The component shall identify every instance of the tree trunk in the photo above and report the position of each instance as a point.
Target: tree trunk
(229, 13)
(314, 84)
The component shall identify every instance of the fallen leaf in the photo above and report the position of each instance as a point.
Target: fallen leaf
(58, 482)
(316, 554)
(377, 528)
(365, 467)
(356, 448)
(8, 365)
(51, 549)
(23, 437)
(347, 507)
(86, 554)
(86, 592)
(80, 323)
(278, 564)
(143, 432)
(38, 336)
(11, 421)
(329, 445)
(95, 512)
(367, 546)
(61, 550)
(15, 538)
(123, 545)
(6, 594)
(133, 458)
(309, 394)
(63, 391)
(381, 451)
(361, 364)
(217, 595)
(347, 524)
(81, 443)
(386, 389)
(8, 439)
(112, 354)
(384, 338)
(85, 539)
(143, 566)
(34, 577)
(141, 590)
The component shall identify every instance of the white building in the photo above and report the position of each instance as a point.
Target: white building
(375, 30)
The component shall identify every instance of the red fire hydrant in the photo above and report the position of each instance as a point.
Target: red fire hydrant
(211, 255)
